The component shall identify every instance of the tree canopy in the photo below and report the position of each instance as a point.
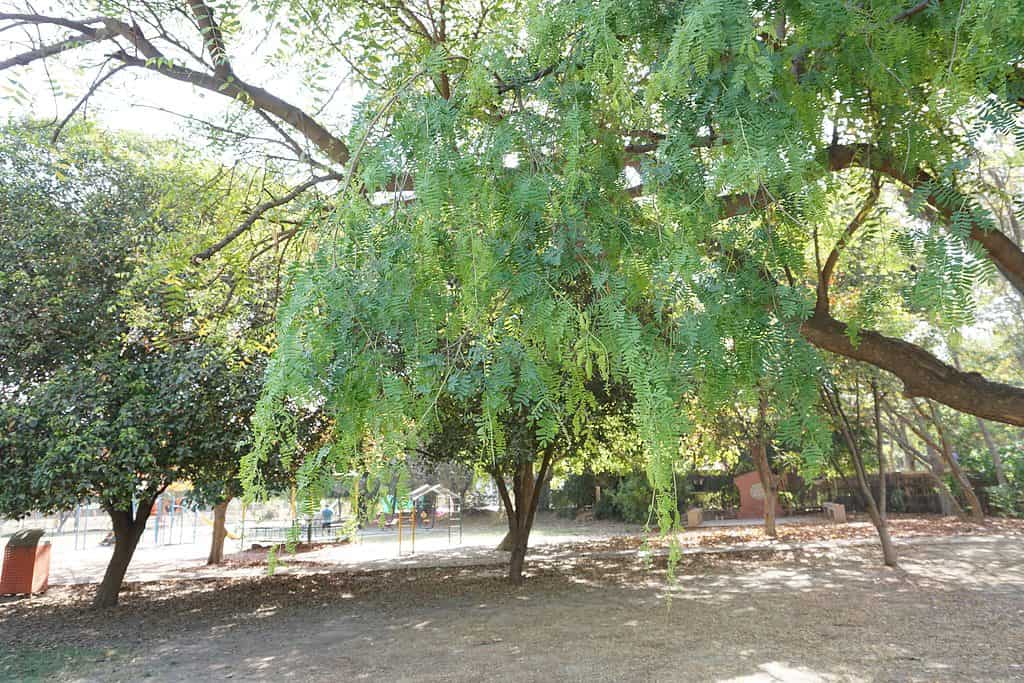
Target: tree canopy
(96, 406)
(536, 202)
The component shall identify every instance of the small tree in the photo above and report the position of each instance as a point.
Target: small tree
(119, 430)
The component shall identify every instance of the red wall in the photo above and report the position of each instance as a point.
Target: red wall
(751, 507)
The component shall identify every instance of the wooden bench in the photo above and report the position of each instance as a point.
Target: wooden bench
(834, 512)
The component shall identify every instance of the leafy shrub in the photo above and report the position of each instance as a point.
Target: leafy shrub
(605, 507)
(1007, 501)
(632, 498)
(576, 492)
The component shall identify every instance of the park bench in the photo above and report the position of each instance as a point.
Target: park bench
(834, 512)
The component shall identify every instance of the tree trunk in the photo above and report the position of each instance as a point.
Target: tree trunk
(901, 438)
(507, 542)
(127, 532)
(976, 513)
(759, 454)
(220, 532)
(877, 518)
(997, 460)
(946, 497)
(947, 502)
(520, 508)
(883, 493)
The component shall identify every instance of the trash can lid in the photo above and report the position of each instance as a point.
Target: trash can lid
(26, 538)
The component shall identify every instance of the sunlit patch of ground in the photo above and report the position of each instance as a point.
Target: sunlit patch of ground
(953, 611)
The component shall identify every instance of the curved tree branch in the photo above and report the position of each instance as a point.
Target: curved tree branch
(1003, 252)
(258, 213)
(922, 373)
(825, 276)
(147, 56)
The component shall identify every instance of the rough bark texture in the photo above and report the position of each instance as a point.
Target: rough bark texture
(922, 373)
(127, 532)
(220, 532)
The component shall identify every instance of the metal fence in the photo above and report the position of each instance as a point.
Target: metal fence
(172, 522)
(308, 531)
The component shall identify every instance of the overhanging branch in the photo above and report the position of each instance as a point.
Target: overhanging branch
(258, 213)
(922, 374)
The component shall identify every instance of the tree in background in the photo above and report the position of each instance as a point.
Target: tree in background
(95, 405)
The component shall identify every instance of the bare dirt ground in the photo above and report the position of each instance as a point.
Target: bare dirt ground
(954, 611)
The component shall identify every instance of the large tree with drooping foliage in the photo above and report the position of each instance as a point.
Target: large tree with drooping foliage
(535, 196)
(744, 119)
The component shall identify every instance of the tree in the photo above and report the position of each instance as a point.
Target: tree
(742, 120)
(532, 197)
(119, 429)
(875, 506)
(93, 405)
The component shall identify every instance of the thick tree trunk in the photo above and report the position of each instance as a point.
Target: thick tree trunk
(127, 532)
(220, 532)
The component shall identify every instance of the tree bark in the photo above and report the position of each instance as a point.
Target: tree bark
(220, 532)
(521, 508)
(759, 454)
(922, 373)
(127, 533)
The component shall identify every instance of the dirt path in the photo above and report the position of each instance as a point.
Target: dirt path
(954, 611)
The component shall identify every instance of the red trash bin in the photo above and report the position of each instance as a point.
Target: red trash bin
(26, 567)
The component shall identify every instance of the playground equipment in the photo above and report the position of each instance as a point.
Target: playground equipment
(409, 518)
(424, 513)
(169, 521)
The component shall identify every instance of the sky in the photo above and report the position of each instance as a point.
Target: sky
(134, 100)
